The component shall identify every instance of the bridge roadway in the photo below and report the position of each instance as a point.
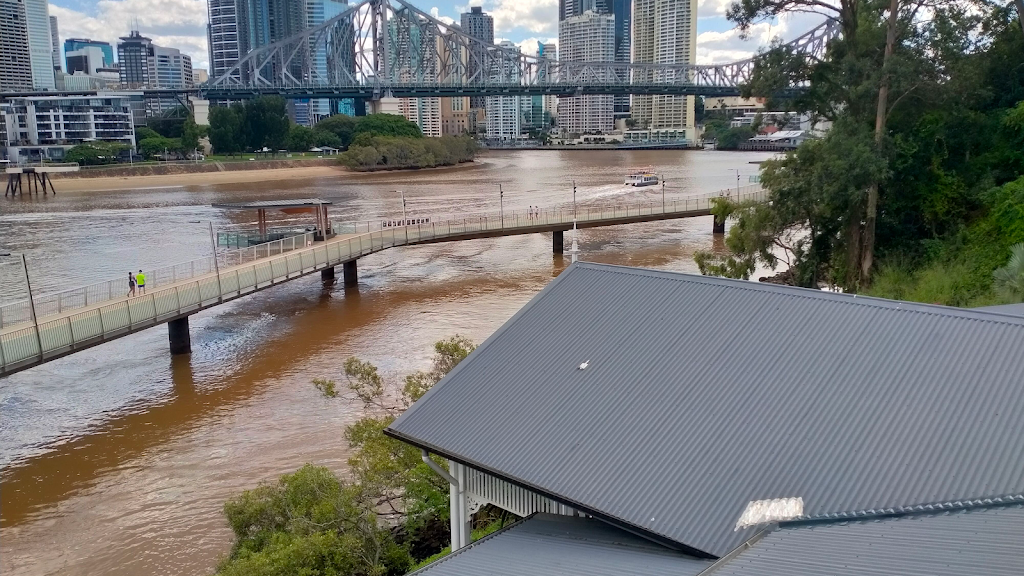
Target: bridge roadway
(76, 326)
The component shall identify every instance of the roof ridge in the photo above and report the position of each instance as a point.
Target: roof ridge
(930, 508)
(811, 293)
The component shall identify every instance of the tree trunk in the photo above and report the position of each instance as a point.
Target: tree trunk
(868, 252)
(1020, 13)
(853, 248)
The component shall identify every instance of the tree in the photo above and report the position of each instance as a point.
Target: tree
(226, 129)
(327, 138)
(340, 125)
(731, 138)
(265, 123)
(387, 125)
(143, 132)
(94, 153)
(158, 146)
(190, 135)
(1009, 280)
(300, 138)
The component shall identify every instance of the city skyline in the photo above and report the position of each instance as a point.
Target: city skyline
(182, 24)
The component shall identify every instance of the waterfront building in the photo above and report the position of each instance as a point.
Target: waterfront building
(55, 44)
(733, 105)
(40, 46)
(74, 44)
(504, 113)
(663, 32)
(652, 456)
(222, 36)
(15, 56)
(45, 127)
(589, 37)
(477, 24)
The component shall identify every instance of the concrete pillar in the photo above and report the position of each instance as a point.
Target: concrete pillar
(350, 273)
(717, 227)
(327, 274)
(557, 244)
(177, 334)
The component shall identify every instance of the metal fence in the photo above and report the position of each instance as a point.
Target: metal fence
(84, 296)
(59, 332)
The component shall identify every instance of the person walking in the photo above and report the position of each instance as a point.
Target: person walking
(140, 280)
(131, 285)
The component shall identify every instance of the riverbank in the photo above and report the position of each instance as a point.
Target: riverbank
(197, 178)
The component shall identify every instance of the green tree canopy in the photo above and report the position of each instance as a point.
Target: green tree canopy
(387, 125)
(226, 129)
(265, 123)
(300, 138)
(190, 135)
(340, 125)
(143, 132)
(94, 153)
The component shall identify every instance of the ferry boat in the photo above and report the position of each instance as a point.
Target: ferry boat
(641, 177)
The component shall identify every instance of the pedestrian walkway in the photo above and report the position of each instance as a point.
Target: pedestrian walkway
(72, 320)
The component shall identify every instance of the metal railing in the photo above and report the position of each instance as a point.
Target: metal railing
(84, 296)
(266, 265)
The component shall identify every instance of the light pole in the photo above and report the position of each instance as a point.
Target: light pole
(737, 171)
(405, 220)
(216, 265)
(662, 193)
(574, 199)
(501, 205)
(31, 302)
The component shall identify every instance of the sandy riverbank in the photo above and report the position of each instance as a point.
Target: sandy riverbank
(96, 184)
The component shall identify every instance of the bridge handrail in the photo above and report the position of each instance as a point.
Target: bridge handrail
(82, 297)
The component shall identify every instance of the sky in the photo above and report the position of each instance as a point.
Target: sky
(182, 24)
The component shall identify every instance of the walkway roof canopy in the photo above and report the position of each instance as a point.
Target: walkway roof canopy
(666, 403)
(271, 204)
(550, 545)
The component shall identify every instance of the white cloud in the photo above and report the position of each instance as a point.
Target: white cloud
(437, 14)
(177, 24)
(536, 16)
(727, 46)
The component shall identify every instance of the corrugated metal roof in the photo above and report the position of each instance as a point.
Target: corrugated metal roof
(293, 203)
(549, 545)
(703, 394)
(986, 541)
(1011, 309)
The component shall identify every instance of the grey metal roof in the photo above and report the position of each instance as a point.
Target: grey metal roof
(986, 541)
(293, 203)
(702, 394)
(1011, 309)
(549, 545)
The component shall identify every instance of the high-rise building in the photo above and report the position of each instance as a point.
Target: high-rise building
(37, 21)
(15, 56)
(73, 44)
(549, 102)
(318, 12)
(55, 44)
(87, 60)
(504, 113)
(45, 127)
(133, 55)
(455, 111)
(621, 10)
(663, 32)
(143, 64)
(414, 59)
(480, 25)
(222, 36)
(589, 37)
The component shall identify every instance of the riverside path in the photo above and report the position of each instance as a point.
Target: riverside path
(66, 322)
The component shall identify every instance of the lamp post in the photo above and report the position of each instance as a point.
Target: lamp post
(31, 302)
(405, 220)
(663, 194)
(216, 265)
(737, 171)
(501, 205)
(573, 199)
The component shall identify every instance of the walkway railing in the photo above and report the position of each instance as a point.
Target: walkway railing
(63, 330)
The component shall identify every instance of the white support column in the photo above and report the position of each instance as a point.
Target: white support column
(453, 507)
(467, 519)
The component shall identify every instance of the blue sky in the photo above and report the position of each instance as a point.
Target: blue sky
(182, 23)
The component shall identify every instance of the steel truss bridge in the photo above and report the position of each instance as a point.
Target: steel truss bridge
(379, 48)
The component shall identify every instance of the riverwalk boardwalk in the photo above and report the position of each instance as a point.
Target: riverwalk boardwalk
(65, 322)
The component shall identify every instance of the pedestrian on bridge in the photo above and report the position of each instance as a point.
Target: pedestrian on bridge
(140, 279)
(131, 285)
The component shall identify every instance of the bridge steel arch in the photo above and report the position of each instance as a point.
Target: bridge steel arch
(380, 48)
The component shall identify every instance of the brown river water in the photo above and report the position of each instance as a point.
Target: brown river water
(117, 460)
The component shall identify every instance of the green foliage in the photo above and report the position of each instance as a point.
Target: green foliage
(145, 132)
(226, 129)
(388, 153)
(300, 138)
(387, 125)
(190, 134)
(168, 127)
(327, 138)
(1009, 280)
(265, 123)
(157, 146)
(94, 153)
(341, 125)
(733, 137)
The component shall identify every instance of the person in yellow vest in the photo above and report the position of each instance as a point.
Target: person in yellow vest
(140, 281)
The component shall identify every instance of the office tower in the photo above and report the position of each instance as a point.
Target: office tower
(663, 32)
(589, 37)
(55, 44)
(413, 59)
(550, 102)
(133, 55)
(73, 44)
(37, 22)
(222, 36)
(87, 60)
(480, 25)
(200, 75)
(455, 111)
(504, 113)
(15, 57)
(318, 12)
(621, 10)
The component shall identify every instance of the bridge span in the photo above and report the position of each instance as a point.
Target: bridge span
(63, 323)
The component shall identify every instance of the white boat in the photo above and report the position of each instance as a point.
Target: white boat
(643, 177)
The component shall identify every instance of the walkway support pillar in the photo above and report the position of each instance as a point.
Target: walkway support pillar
(327, 274)
(177, 334)
(716, 226)
(350, 273)
(557, 243)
